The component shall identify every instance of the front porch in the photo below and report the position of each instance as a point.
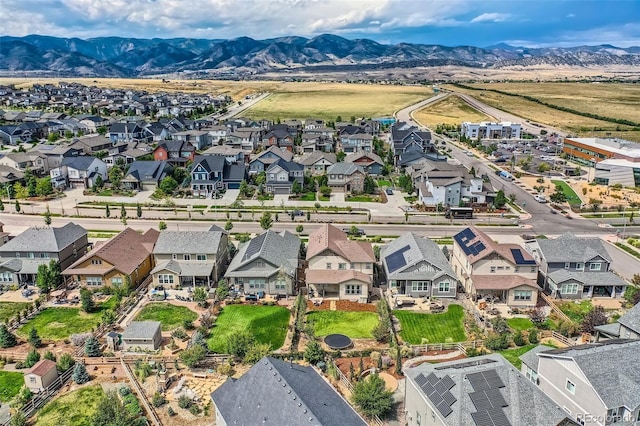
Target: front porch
(208, 190)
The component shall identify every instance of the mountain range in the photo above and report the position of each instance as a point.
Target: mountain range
(131, 57)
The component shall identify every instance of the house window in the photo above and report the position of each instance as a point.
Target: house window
(94, 281)
(256, 283)
(259, 264)
(418, 419)
(44, 255)
(96, 261)
(579, 266)
(116, 281)
(571, 387)
(369, 265)
(17, 254)
(6, 277)
(201, 257)
(342, 266)
(32, 379)
(493, 269)
(567, 265)
(31, 255)
(569, 289)
(595, 266)
(165, 279)
(419, 285)
(174, 256)
(393, 283)
(281, 285)
(328, 265)
(516, 269)
(500, 268)
(352, 289)
(443, 287)
(186, 257)
(533, 269)
(352, 266)
(522, 295)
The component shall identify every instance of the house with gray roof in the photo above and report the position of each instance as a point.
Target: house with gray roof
(268, 263)
(188, 258)
(317, 162)
(142, 336)
(596, 383)
(276, 393)
(480, 391)
(575, 268)
(415, 266)
(79, 172)
(39, 245)
(281, 175)
(207, 175)
(146, 175)
(370, 162)
(627, 326)
(346, 177)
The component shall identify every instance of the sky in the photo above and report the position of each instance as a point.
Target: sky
(531, 23)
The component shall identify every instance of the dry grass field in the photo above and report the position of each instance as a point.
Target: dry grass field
(611, 100)
(451, 110)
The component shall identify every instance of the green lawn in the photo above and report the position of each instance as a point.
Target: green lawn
(60, 323)
(171, 316)
(307, 196)
(268, 324)
(9, 310)
(357, 325)
(72, 409)
(12, 382)
(383, 182)
(520, 323)
(411, 199)
(323, 198)
(513, 355)
(435, 328)
(576, 311)
(572, 197)
(364, 198)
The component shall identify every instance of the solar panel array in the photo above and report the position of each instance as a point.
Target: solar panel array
(464, 237)
(254, 246)
(487, 399)
(396, 259)
(438, 391)
(519, 258)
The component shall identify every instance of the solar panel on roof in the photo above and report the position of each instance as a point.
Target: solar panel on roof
(492, 378)
(444, 409)
(482, 418)
(428, 388)
(448, 382)
(480, 400)
(396, 260)
(477, 381)
(432, 378)
(254, 246)
(421, 380)
(519, 258)
(496, 398)
(449, 398)
(498, 417)
(441, 388)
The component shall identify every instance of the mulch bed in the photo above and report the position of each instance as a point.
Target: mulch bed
(343, 365)
(342, 305)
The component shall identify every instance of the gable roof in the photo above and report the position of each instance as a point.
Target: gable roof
(45, 239)
(315, 156)
(278, 393)
(409, 250)
(344, 169)
(180, 242)
(289, 166)
(141, 330)
(147, 170)
(477, 245)
(79, 163)
(530, 358)
(328, 237)
(631, 319)
(282, 153)
(176, 145)
(210, 163)
(42, 367)
(234, 172)
(277, 249)
(586, 278)
(569, 248)
(370, 156)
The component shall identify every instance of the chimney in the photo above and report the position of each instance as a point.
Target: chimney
(290, 362)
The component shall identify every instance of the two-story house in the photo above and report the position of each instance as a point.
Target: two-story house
(406, 138)
(176, 152)
(39, 245)
(188, 258)
(370, 162)
(207, 175)
(439, 182)
(338, 267)
(199, 139)
(416, 267)
(278, 136)
(575, 268)
(317, 162)
(263, 160)
(311, 142)
(54, 154)
(127, 254)
(128, 132)
(79, 172)
(355, 143)
(282, 174)
(22, 161)
(146, 175)
(93, 122)
(627, 326)
(596, 384)
(91, 145)
(505, 272)
(268, 264)
(345, 177)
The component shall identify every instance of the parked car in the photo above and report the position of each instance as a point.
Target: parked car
(358, 232)
(296, 213)
(251, 298)
(540, 198)
(389, 191)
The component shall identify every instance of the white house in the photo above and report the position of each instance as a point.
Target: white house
(489, 130)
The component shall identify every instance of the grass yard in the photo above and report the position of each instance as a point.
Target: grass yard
(434, 328)
(268, 324)
(520, 323)
(323, 198)
(307, 196)
(572, 197)
(12, 382)
(451, 110)
(357, 325)
(171, 316)
(513, 355)
(363, 199)
(576, 311)
(74, 408)
(9, 310)
(383, 182)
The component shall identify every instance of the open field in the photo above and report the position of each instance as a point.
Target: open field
(74, 408)
(520, 323)
(567, 95)
(171, 316)
(11, 382)
(435, 328)
(268, 324)
(451, 110)
(357, 325)
(9, 309)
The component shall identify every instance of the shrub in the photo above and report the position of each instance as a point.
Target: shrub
(519, 339)
(158, 400)
(32, 357)
(184, 402)
(124, 390)
(194, 409)
(533, 336)
(80, 374)
(79, 339)
(372, 397)
(313, 352)
(255, 352)
(225, 369)
(497, 342)
(170, 412)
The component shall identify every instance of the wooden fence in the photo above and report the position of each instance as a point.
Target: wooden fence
(559, 337)
(460, 346)
(141, 395)
(554, 307)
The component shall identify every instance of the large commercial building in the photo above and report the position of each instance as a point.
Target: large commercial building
(488, 130)
(616, 161)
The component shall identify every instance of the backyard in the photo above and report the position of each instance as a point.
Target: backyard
(576, 310)
(520, 323)
(513, 355)
(74, 408)
(9, 309)
(171, 316)
(11, 384)
(433, 328)
(267, 324)
(572, 197)
(357, 325)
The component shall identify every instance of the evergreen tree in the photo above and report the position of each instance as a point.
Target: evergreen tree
(138, 210)
(17, 206)
(372, 396)
(266, 221)
(65, 362)
(107, 212)
(34, 339)
(1, 206)
(7, 339)
(80, 374)
(32, 357)
(92, 347)
(86, 300)
(47, 216)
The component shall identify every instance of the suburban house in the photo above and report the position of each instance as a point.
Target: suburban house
(575, 379)
(55, 154)
(406, 138)
(415, 266)
(439, 182)
(91, 145)
(93, 122)
(146, 175)
(345, 177)
(278, 136)
(127, 132)
(506, 272)
(481, 391)
(282, 174)
(10, 175)
(38, 245)
(281, 393)
(627, 326)
(199, 139)
(575, 268)
(311, 142)
(356, 142)
(233, 174)
(268, 263)
(41, 375)
(230, 154)
(13, 135)
(207, 175)
(370, 162)
(142, 336)
(78, 172)
(126, 255)
(317, 162)
(338, 267)
(22, 161)
(188, 258)
(176, 152)
(263, 160)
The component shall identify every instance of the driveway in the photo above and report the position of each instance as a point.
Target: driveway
(337, 197)
(229, 196)
(280, 199)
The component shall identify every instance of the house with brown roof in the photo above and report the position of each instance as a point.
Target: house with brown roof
(503, 272)
(41, 375)
(338, 267)
(128, 254)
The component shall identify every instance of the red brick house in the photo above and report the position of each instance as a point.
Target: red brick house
(176, 153)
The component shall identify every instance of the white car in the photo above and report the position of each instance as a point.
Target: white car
(540, 198)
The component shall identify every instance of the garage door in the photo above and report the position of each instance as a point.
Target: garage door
(281, 191)
(233, 185)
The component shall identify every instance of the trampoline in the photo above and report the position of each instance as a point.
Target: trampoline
(338, 341)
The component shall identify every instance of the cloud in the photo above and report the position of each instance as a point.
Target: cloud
(571, 15)
(374, 23)
(491, 17)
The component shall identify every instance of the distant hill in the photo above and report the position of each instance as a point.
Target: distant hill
(130, 57)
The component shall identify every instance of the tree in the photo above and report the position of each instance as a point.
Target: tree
(34, 339)
(543, 167)
(50, 356)
(162, 225)
(108, 317)
(299, 228)
(340, 156)
(86, 300)
(223, 290)
(65, 362)
(1, 206)
(445, 251)
(537, 317)
(115, 176)
(472, 171)
(369, 185)
(193, 355)
(107, 211)
(376, 252)
(228, 226)
(558, 195)
(325, 191)
(372, 397)
(168, 185)
(7, 339)
(21, 192)
(43, 279)
(123, 215)
(500, 199)
(255, 352)
(405, 182)
(18, 419)
(92, 347)
(200, 296)
(44, 187)
(245, 190)
(238, 344)
(111, 411)
(17, 206)
(594, 318)
(55, 273)
(296, 188)
(99, 182)
(313, 352)
(138, 211)
(533, 336)
(266, 221)
(80, 374)
(32, 357)
(47, 216)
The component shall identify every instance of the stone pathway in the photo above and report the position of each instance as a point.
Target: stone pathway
(332, 305)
